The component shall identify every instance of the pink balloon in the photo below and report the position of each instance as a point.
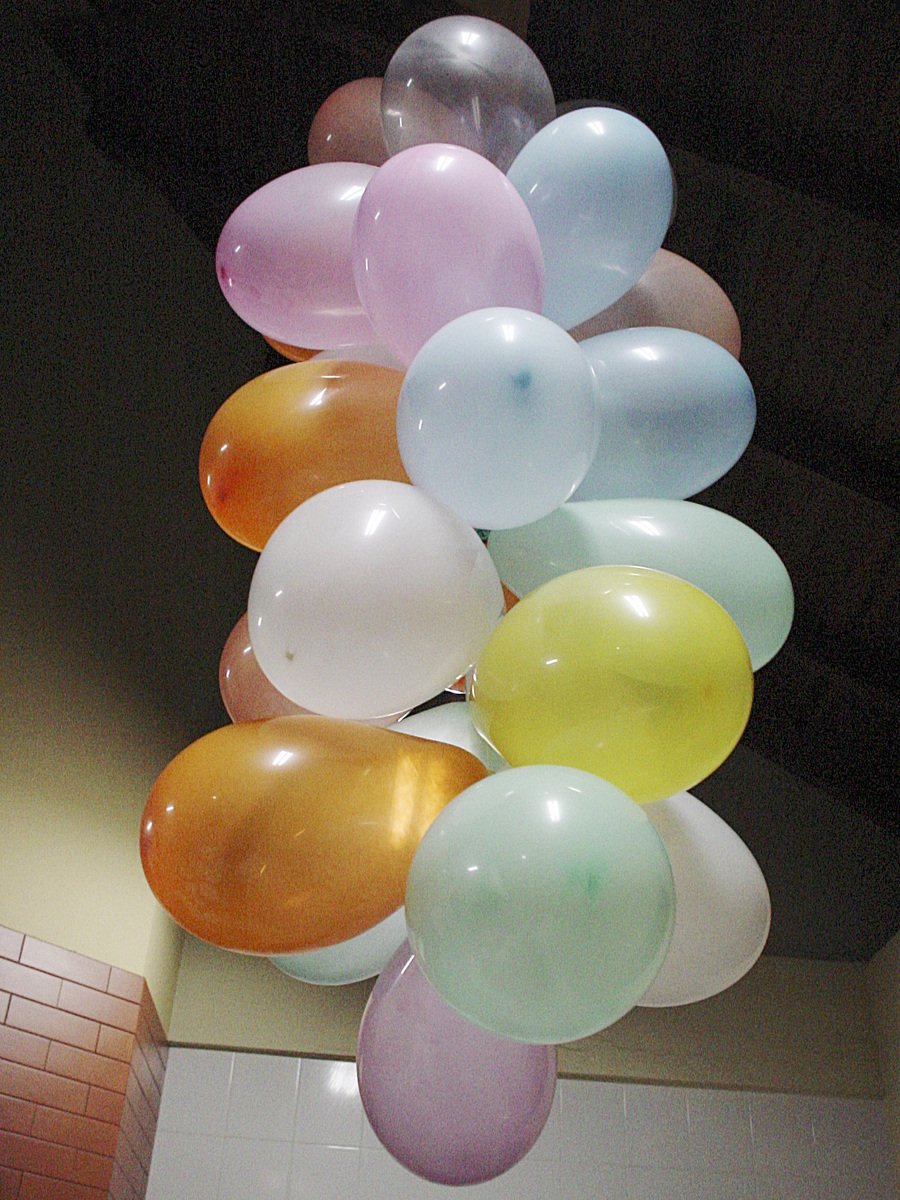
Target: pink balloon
(247, 693)
(672, 292)
(450, 1101)
(284, 257)
(347, 128)
(441, 232)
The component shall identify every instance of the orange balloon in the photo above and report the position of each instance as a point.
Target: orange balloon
(672, 292)
(278, 836)
(294, 353)
(293, 432)
(347, 128)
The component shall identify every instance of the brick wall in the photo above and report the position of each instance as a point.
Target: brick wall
(82, 1061)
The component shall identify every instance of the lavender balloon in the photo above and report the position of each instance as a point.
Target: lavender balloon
(451, 1102)
(283, 258)
(441, 232)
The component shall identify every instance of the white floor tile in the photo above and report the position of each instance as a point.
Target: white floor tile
(185, 1164)
(646, 1183)
(329, 1112)
(254, 1170)
(263, 1096)
(720, 1133)
(592, 1121)
(586, 1180)
(195, 1091)
(656, 1124)
(324, 1173)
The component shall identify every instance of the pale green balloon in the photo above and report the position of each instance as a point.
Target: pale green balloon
(540, 903)
(716, 553)
(360, 957)
(452, 723)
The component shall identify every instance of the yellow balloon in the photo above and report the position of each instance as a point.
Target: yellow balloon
(627, 672)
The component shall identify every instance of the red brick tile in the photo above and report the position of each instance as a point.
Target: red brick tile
(125, 985)
(116, 1044)
(120, 1188)
(37, 1187)
(104, 1105)
(28, 1084)
(127, 1162)
(156, 1028)
(24, 1048)
(51, 1023)
(10, 943)
(141, 1105)
(55, 1162)
(9, 1183)
(139, 1139)
(91, 1068)
(4, 1005)
(33, 985)
(149, 1086)
(97, 1006)
(16, 1116)
(65, 963)
(99, 1137)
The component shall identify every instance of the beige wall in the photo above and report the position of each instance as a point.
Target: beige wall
(883, 981)
(790, 1025)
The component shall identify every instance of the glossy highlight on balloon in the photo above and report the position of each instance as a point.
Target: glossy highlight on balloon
(294, 432)
(274, 837)
(467, 81)
(540, 904)
(713, 551)
(441, 232)
(451, 1102)
(283, 257)
(627, 672)
(370, 598)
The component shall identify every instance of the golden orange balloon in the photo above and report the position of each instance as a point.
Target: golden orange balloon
(293, 432)
(273, 837)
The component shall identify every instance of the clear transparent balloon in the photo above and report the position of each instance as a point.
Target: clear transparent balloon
(467, 81)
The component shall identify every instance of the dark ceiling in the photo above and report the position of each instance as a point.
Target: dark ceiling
(782, 122)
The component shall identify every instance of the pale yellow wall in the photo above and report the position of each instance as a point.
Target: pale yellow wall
(790, 1025)
(883, 980)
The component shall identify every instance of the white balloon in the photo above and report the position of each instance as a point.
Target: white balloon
(722, 907)
(369, 599)
(360, 957)
(451, 723)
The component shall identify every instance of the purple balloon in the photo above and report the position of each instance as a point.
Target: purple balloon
(450, 1101)
(284, 257)
(441, 232)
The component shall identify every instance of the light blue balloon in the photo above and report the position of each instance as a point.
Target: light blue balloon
(716, 553)
(598, 185)
(452, 724)
(677, 411)
(497, 417)
(360, 957)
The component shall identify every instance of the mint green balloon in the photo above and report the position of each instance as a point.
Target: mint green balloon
(716, 553)
(540, 904)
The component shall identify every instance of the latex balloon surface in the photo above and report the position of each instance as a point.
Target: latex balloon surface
(249, 696)
(498, 417)
(347, 127)
(441, 232)
(283, 259)
(718, 554)
(360, 957)
(377, 355)
(278, 836)
(722, 907)
(540, 904)
(599, 186)
(623, 671)
(672, 292)
(451, 723)
(450, 1101)
(294, 353)
(370, 598)
(467, 81)
(677, 411)
(294, 432)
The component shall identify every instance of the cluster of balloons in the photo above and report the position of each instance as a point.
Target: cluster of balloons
(476, 468)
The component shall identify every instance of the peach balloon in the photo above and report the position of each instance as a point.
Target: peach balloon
(274, 837)
(294, 432)
(246, 692)
(294, 353)
(347, 127)
(672, 292)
